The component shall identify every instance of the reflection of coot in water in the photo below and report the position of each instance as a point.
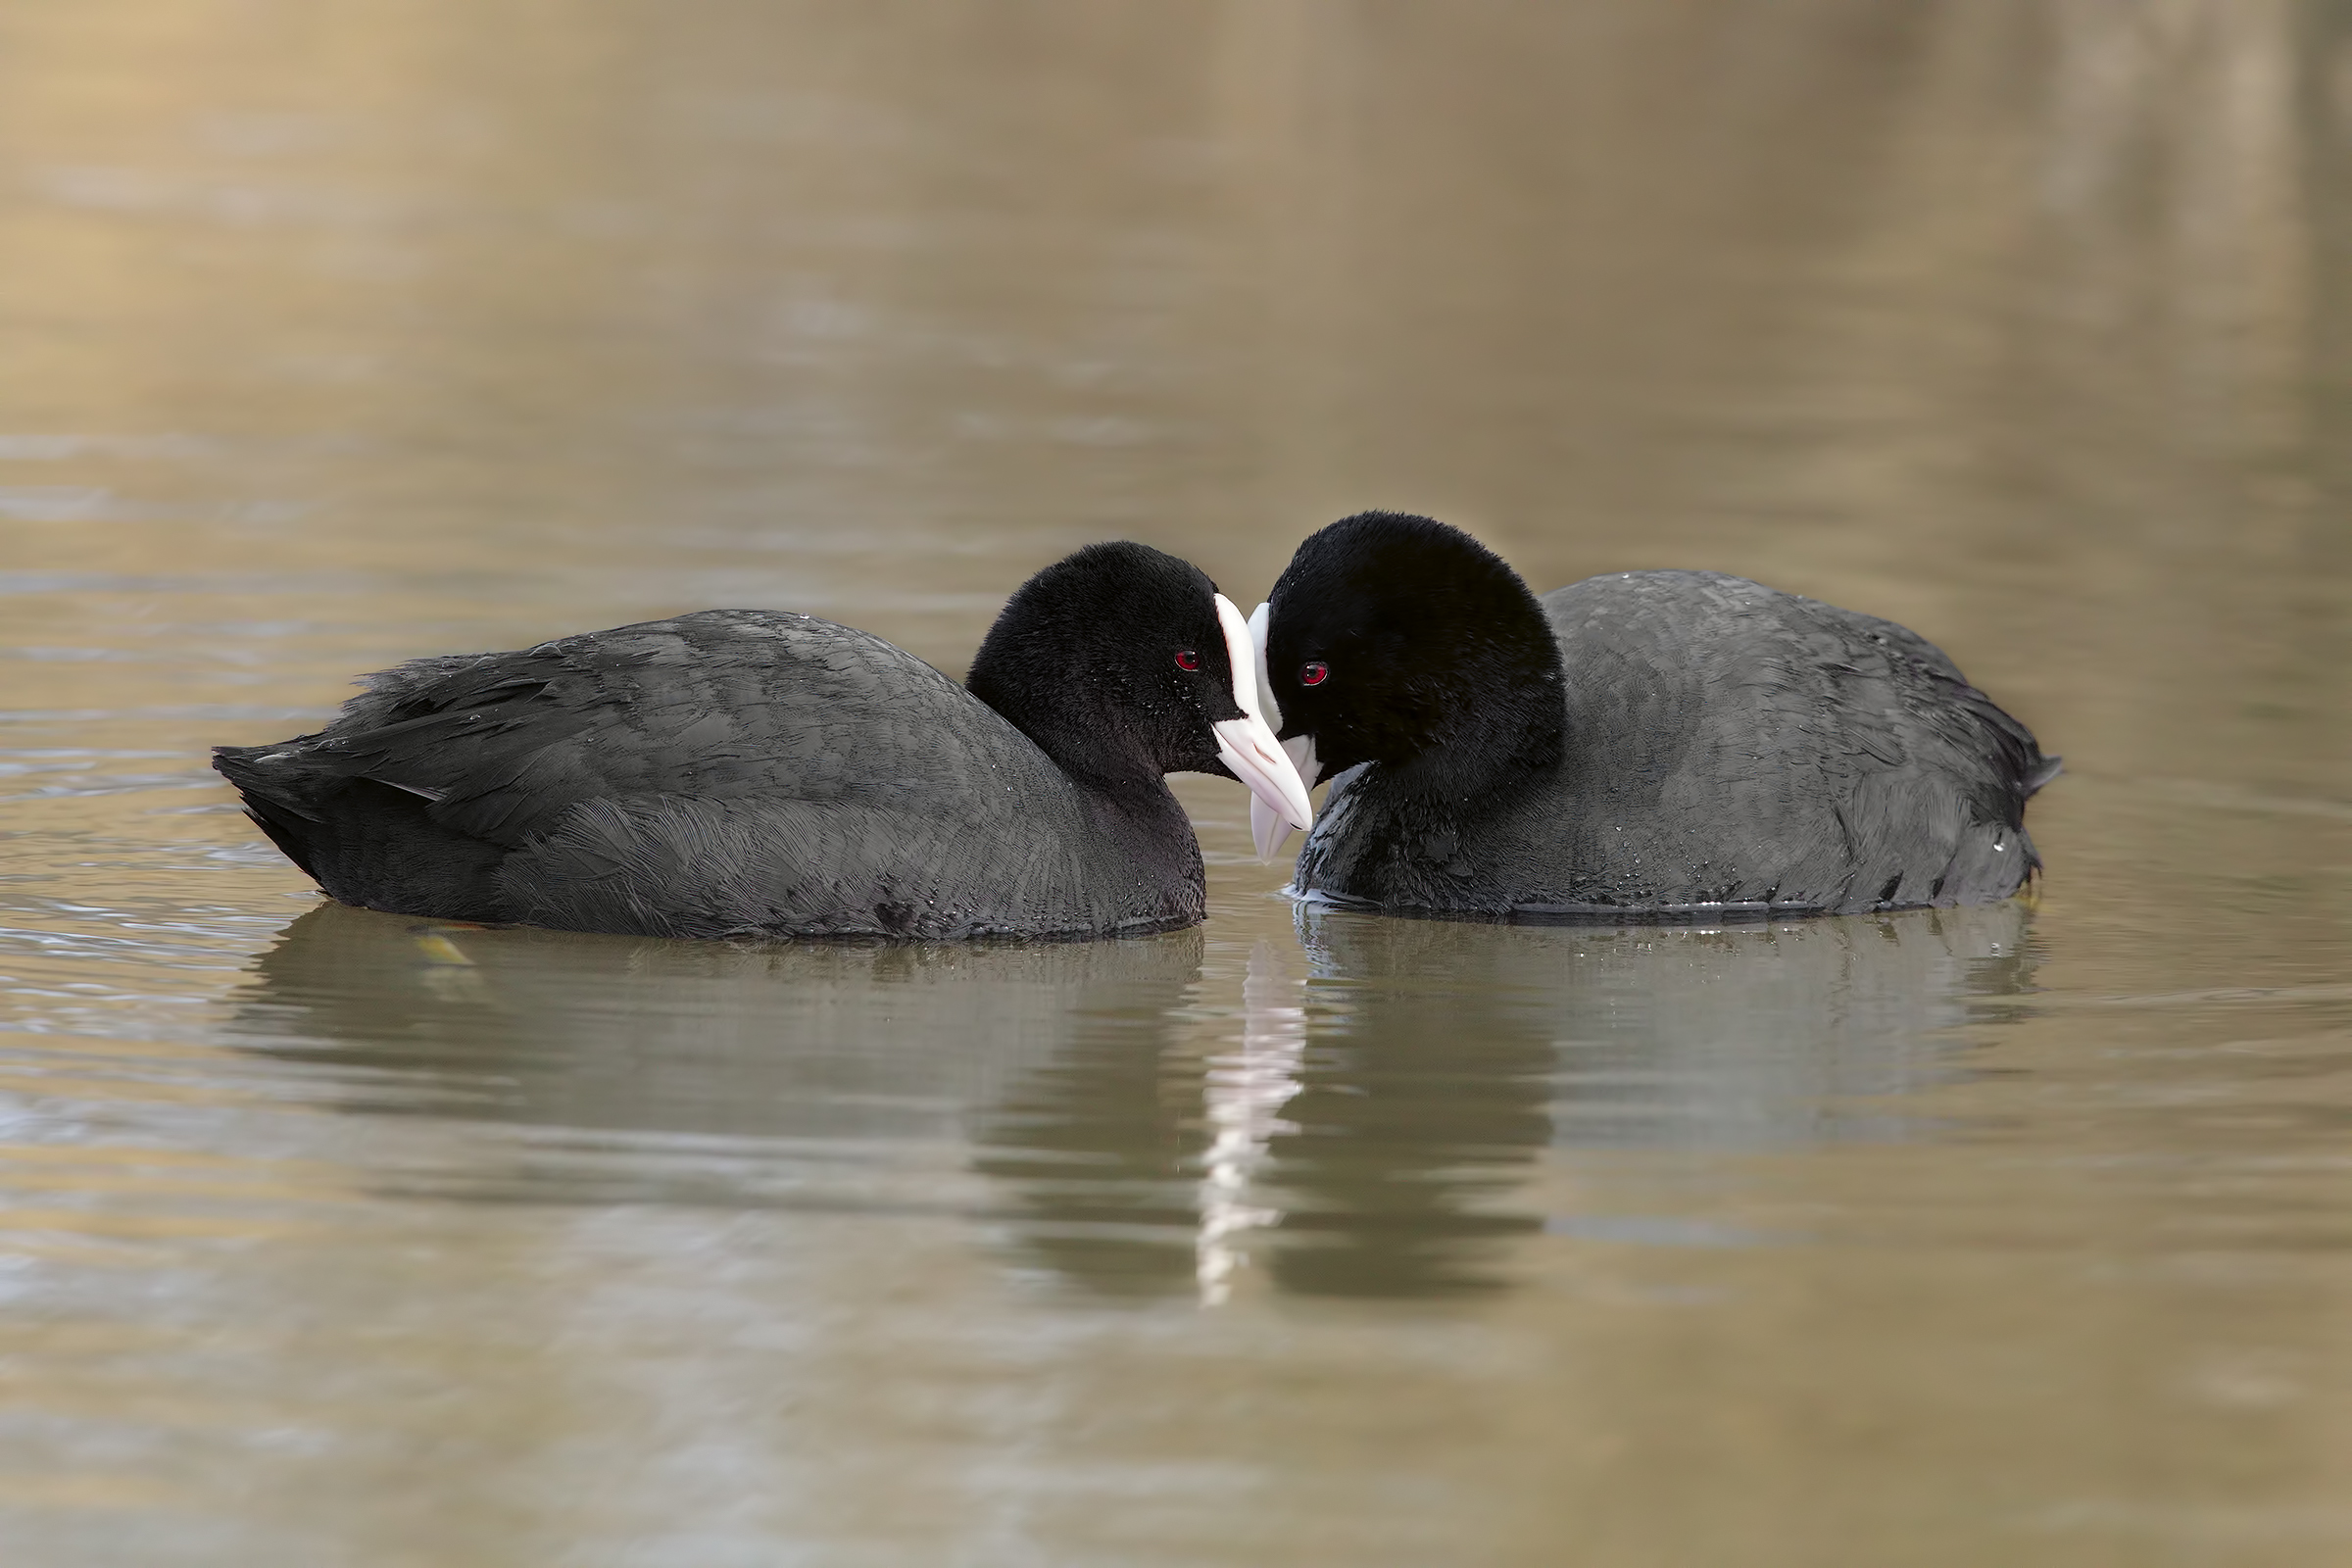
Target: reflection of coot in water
(1441, 1056)
(1100, 1151)
(637, 1044)
(1663, 1035)
(1367, 1129)
(1419, 1106)
(1765, 1038)
(1386, 1121)
(1367, 1133)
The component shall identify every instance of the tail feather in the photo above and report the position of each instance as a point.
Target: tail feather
(363, 841)
(277, 799)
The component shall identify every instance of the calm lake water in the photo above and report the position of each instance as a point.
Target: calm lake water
(340, 332)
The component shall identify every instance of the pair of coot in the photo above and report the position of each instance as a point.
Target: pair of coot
(1650, 745)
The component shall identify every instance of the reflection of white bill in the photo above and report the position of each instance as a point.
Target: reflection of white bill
(1243, 1093)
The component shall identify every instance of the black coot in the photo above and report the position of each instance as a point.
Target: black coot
(1655, 744)
(753, 772)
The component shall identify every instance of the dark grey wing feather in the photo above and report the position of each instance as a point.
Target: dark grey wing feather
(1855, 766)
(720, 704)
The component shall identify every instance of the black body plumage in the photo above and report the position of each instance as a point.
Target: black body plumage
(745, 772)
(1653, 745)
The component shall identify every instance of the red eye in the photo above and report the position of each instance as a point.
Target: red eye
(1313, 673)
(1185, 658)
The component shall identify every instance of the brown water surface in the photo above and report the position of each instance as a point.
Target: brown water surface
(336, 331)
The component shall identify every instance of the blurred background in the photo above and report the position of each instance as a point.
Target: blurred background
(340, 332)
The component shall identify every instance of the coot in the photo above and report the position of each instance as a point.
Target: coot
(1648, 745)
(755, 772)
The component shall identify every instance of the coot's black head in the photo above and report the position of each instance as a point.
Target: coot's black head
(1124, 663)
(1398, 640)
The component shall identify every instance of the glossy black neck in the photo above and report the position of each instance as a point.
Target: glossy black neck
(1502, 716)
(1082, 731)
(1120, 785)
(1147, 821)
